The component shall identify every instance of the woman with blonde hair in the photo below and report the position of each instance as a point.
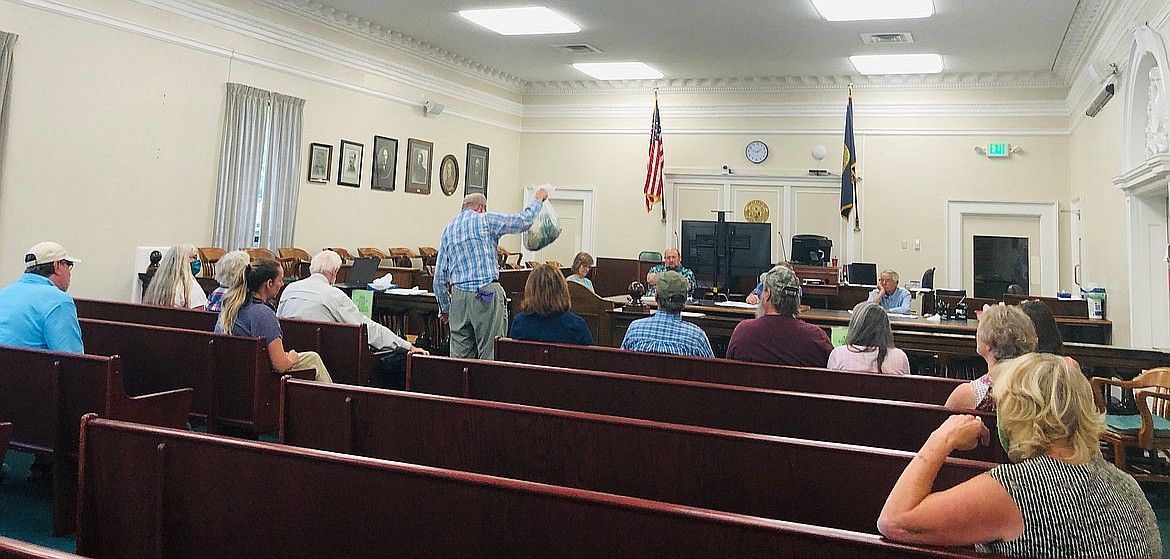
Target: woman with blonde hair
(247, 311)
(174, 283)
(869, 345)
(228, 272)
(1059, 497)
(1004, 332)
(581, 265)
(544, 314)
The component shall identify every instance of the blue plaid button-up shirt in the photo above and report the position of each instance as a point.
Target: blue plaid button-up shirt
(665, 332)
(468, 249)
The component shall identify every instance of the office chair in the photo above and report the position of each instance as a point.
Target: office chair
(928, 279)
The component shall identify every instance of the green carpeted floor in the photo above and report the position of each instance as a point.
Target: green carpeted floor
(26, 506)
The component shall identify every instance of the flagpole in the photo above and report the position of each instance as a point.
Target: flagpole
(856, 201)
(662, 199)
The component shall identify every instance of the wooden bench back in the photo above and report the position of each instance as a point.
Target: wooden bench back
(592, 308)
(752, 474)
(822, 417)
(16, 549)
(343, 347)
(909, 388)
(182, 494)
(232, 377)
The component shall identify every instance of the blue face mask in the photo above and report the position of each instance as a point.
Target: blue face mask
(196, 266)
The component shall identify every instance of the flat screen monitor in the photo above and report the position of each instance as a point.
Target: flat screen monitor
(739, 249)
(813, 250)
(862, 273)
(959, 293)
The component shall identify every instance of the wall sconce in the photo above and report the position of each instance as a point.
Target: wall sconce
(995, 151)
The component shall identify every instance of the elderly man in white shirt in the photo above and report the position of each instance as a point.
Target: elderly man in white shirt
(315, 298)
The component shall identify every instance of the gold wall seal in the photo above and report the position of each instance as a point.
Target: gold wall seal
(756, 211)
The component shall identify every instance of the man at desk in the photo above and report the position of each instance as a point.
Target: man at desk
(672, 259)
(889, 296)
(315, 298)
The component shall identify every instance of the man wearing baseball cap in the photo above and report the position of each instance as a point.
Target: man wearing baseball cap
(776, 335)
(665, 331)
(36, 311)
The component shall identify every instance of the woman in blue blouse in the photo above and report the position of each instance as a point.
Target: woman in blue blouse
(544, 314)
(581, 265)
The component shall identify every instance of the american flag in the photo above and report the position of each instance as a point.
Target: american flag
(653, 186)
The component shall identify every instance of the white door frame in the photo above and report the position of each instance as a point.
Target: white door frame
(1049, 214)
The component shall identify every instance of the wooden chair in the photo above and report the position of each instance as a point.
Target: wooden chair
(1150, 430)
(531, 263)
(287, 265)
(371, 252)
(344, 254)
(302, 260)
(259, 253)
(553, 263)
(402, 256)
(506, 257)
(208, 256)
(430, 255)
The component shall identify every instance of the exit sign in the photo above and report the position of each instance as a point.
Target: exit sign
(997, 150)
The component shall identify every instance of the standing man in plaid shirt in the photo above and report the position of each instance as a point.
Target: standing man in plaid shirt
(475, 308)
(665, 331)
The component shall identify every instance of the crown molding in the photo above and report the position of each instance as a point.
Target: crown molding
(1089, 19)
(834, 131)
(794, 110)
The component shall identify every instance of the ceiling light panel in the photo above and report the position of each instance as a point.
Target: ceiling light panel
(897, 64)
(532, 20)
(618, 70)
(856, 10)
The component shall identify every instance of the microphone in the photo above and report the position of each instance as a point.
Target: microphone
(783, 253)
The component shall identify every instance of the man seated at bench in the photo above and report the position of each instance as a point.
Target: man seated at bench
(36, 311)
(247, 311)
(315, 298)
(777, 336)
(665, 331)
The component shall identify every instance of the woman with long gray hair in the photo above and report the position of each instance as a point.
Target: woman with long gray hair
(174, 283)
(869, 345)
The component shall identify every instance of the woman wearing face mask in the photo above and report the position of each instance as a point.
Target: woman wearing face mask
(1059, 497)
(174, 284)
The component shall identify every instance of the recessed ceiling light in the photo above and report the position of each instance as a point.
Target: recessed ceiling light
(855, 10)
(897, 64)
(618, 70)
(533, 20)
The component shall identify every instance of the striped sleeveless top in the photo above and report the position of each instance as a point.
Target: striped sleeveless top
(1077, 511)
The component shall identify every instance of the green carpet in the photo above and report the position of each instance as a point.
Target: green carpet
(26, 506)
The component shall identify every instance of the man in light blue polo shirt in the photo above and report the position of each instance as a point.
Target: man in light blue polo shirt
(36, 311)
(889, 296)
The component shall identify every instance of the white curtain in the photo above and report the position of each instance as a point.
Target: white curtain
(284, 167)
(261, 153)
(7, 45)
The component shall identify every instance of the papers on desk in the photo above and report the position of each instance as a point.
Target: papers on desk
(691, 314)
(900, 315)
(403, 291)
(735, 304)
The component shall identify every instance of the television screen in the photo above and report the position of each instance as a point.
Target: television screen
(739, 249)
(863, 273)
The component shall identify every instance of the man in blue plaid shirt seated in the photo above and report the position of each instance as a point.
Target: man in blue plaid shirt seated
(476, 307)
(665, 331)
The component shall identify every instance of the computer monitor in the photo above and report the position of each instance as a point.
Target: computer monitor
(813, 250)
(862, 273)
(960, 293)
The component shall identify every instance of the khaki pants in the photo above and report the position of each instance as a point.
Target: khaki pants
(310, 360)
(475, 324)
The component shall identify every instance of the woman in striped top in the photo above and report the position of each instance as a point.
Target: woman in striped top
(1059, 499)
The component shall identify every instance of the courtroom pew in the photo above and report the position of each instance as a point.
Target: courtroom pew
(344, 348)
(843, 419)
(759, 475)
(5, 436)
(909, 388)
(235, 388)
(43, 394)
(183, 494)
(16, 549)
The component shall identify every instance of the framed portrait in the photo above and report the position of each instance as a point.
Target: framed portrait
(418, 166)
(320, 162)
(449, 174)
(477, 170)
(349, 165)
(384, 164)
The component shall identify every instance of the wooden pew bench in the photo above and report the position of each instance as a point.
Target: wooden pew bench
(234, 385)
(344, 348)
(16, 549)
(823, 417)
(43, 395)
(758, 475)
(909, 388)
(183, 494)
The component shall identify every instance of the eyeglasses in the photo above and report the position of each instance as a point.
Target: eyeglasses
(67, 263)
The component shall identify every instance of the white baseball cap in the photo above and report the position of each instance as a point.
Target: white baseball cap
(46, 253)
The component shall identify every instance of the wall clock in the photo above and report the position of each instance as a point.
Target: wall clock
(756, 151)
